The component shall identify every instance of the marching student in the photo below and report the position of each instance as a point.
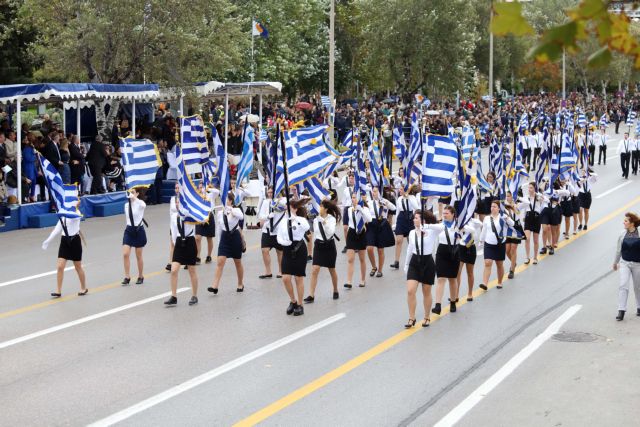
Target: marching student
(358, 217)
(270, 214)
(527, 141)
(624, 150)
(551, 218)
(324, 250)
(291, 235)
(135, 235)
(494, 230)
(591, 144)
(532, 205)
(70, 249)
(379, 233)
(515, 234)
(184, 253)
(584, 197)
(627, 260)
(207, 229)
(537, 144)
(468, 253)
(486, 196)
(406, 205)
(635, 154)
(568, 206)
(447, 261)
(601, 141)
(231, 244)
(347, 193)
(419, 264)
(173, 212)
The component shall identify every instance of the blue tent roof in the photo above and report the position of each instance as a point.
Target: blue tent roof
(73, 91)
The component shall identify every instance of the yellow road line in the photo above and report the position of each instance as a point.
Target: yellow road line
(73, 296)
(357, 361)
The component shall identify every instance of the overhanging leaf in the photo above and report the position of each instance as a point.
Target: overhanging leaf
(508, 19)
(600, 58)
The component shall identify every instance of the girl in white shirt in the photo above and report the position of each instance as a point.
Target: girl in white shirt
(208, 229)
(447, 261)
(70, 249)
(270, 215)
(291, 235)
(173, 211)
(379, 233)
(468, 253)
(406, 205)
(358, 217)
(419, 264)
(324, 251)
(493, 236)
(134, 234)
(584, 196)
(531, 205)
(184, 253)
(230, 244)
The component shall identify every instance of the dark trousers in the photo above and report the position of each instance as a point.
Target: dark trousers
(592, 154)
(526, 157)
(635, 160)
(617, 126)
(602, 154)
(96, 181)
(625, 158)
(536, 156)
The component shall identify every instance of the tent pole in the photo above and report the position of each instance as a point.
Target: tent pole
(181, 112)
(78, 130)
(133, 118)
(260, 127)
(226, 121)
(19, 150)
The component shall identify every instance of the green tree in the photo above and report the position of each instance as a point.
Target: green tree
(16, 60)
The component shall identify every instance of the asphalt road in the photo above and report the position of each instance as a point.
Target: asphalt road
(119, 356)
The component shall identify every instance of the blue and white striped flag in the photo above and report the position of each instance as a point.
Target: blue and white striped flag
(524, 123)
(359, 188)
(245, 166)
(65, 196)
(263, 135)
(604, 122)
(438, 165)
(193, 206)
(415, 151)
(194, 143)
(631, 117)
(349, 141)
(582, 120)
(222, 166)
(317, 192)
(495, 156)
(468, 200)
(140, 162)
(399, 145)
(468, 143)
(326, 102)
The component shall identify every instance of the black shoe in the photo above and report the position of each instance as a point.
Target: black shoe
(379, 274)
(186, 267)
(543, 251)
(585, 227)
(56, 294)
(292, 306)
(298, 311)
(309, 299)
(240, 289)
(336, 295)
(620, 315)
(361, 285)
(344, 250)
(483, 286)
(499, 286)
(171, 301)
(197, 260)
(348, 285)
(140, 281)
(126, 281)
(214, 290)
(551, 251)
(168, 267)
(410, 324)
(309, 259)
(395, 265)
(207, 260)
(580, 227)
(265, 276)
(510, 276)
(193, 300)
(452, 307)
(436, 308)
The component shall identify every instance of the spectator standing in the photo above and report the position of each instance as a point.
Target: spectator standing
(76, 163)
(50, 150)
(97, 160)
(29, 169)
(65, 158)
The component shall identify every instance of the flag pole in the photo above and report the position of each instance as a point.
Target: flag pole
(284, 167)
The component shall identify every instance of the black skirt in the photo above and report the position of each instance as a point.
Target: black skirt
(379, 234)
(324, 253)
(70, 248)
(135, 237)
(447, 261)
(532, 222)
(585, 200)
(184, 251)
(484, 206)
(513, 240)
(207, 229)
(567, 208)
(494, 252)
(270, 241)
(467, 254)
(556, 215)
(294, 259)
(230, 245)
(422, 269)
(357, 242)
(575, 204)
(404, 224)
(545, 215)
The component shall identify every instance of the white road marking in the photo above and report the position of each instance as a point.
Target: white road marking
(613, 157)
(100, 315)
(481, 392)
(208, 376)
(35, 276)
(606, 193)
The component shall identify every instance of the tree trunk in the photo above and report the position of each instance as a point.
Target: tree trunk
(104, 122)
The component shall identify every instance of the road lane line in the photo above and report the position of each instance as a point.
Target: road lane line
(606, 193)
(613, 157)
(35, 276)
(493, 381)
(80, 321)
(357, 361)
(208, 376)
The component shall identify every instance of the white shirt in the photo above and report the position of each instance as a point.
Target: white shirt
(271, 216)
(539, 139)
(173, 207)
(601, 140)
(331, 183)
(212, 195)
(407, 204)
(346, 197)
(73, 228)
(442, 239)
(360, 212)
(528, 204)
(299, 226)
(488, 235)
(586, 183)
(328, 225)
(137, 209)
(470, 230)
(189, 228)
(233, 215)
(426, 240)
(399, 181)
(380, 207)
(524, 140)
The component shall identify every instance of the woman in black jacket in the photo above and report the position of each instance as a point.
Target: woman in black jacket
(97, 160)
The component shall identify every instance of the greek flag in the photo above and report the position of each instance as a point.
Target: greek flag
(341, 160)
(307, 155)
(468, 143)
(263, 135)
(65, 196)
(524, 123)
(631, 117)
(359, 188)
(209, 178)
(193, 206)
(349, 141)
(438, 165)
(415, 149)
(545, 155)
(603, 120)
(270, 151)
(399, 145)
(495, 156)
(582, 120)
(317, 192)
(222, 166)
(246, 161)
(326, 102)
(140, 162)
(468, 199)
(194, 143)
(482, 181)
(374, 159)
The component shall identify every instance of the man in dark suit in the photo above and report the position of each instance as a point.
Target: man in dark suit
(3, 151)
(50, 150)
(76, 160)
